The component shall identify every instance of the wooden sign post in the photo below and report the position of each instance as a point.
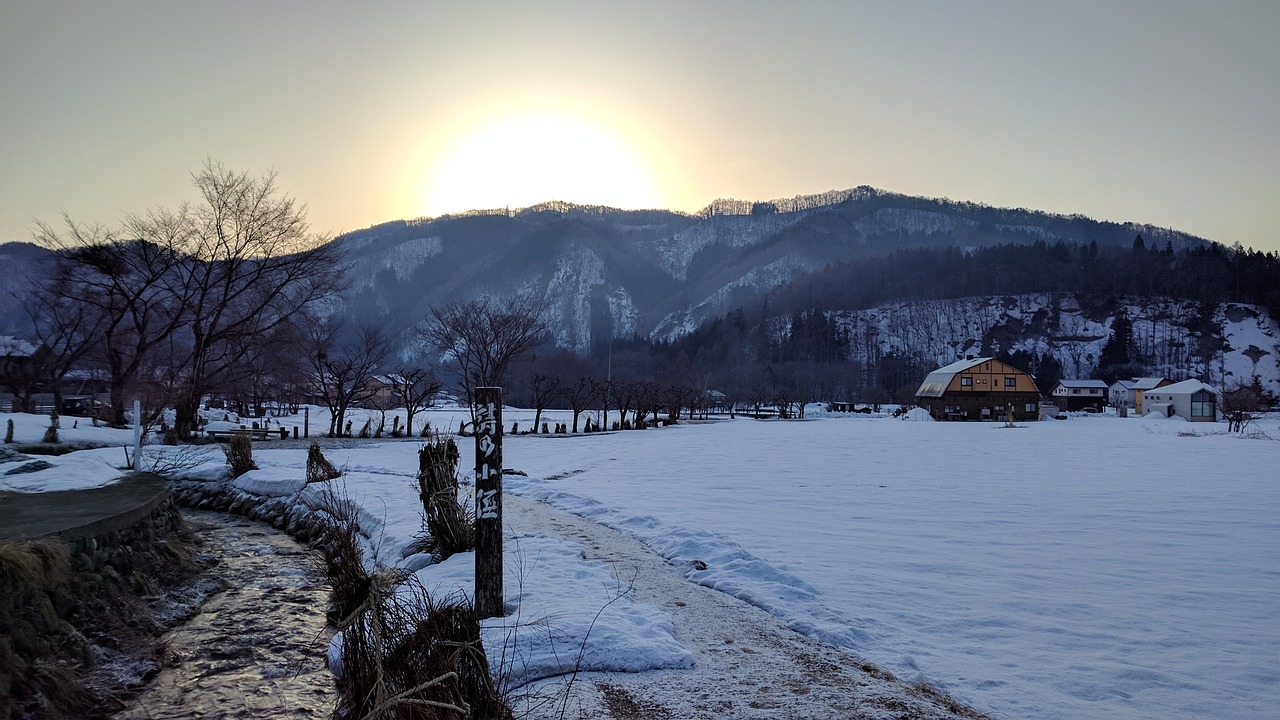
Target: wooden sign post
(489, 602)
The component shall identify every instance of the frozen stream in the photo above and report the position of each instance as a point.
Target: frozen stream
(256, 649)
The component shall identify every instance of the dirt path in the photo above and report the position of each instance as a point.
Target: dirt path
(747, 663)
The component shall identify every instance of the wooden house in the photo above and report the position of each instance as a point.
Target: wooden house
(979, 389)
(1076, 395)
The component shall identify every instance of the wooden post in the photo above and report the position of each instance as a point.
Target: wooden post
(306, 422)
(489, 602)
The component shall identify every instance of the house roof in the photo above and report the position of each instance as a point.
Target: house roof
(1186, 387)
(1146, 383)
(1126, 384)
(11, 346)
(1096, 384)
(935, 384)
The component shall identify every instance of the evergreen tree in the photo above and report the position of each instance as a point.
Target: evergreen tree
(1119, 358)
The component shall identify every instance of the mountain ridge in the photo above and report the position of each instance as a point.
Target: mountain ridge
(659, 273)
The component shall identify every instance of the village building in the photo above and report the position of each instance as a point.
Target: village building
(979, 389)
(1120, 394)
(1141, 386)
(1076, 395)
(1190, 400)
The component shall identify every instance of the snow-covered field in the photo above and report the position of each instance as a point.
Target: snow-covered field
(1088, 568)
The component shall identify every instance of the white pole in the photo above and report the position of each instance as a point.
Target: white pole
(137, 434)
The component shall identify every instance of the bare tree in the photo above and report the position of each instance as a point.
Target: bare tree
(544, 387)
(342, 370)
(127, 285)
(483, 335)
(604, 391)
(624, 393)
(416, 389)
(651, 399)
(199, 281)
(1240, 405)
(248, 263)
(579, 393)
(65, 330)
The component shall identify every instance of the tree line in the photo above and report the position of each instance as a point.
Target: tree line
(174, 304)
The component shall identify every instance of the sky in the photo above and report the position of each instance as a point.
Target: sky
(1154, 112)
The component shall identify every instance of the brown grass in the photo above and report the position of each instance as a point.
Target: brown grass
(404, 655)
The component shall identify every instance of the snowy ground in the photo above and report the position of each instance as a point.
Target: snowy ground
(1094, 567)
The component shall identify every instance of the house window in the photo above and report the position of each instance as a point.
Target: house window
(966, 381)
(1011, 382)
(1029, 407)
(1202, 405)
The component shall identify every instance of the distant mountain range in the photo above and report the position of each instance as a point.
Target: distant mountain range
(660, 274)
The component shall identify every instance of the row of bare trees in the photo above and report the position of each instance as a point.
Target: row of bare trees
(178, 303)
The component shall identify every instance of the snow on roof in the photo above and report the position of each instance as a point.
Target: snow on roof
(1186, 387)
(1146, 383)
(1126, 384)
(1083, 384)
(937, 381)
(11, 346)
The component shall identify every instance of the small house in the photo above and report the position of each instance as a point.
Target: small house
(1075, 395)
(1191, 400)
(1140, 388)
(1120, 394)
(979, 389)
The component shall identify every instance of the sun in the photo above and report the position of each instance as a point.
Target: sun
(521, 160)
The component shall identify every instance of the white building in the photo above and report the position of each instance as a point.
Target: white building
(1072, 395)
(1191, 400)
(1120, 394)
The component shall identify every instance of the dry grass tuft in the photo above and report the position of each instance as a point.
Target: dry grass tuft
(404, 655)
(239, 450)
(450, 526)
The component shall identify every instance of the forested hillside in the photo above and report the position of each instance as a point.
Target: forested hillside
(872, 328)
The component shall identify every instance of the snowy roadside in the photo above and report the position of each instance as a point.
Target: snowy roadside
(746, 662)
(649, 642)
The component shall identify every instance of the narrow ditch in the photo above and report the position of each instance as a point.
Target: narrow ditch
(255, 650)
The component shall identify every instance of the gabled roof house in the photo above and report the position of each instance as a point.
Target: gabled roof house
(979, 389)
(1191, 400)
(1141, 386)
(1075, 395)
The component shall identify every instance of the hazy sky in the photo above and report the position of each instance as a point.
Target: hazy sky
(1162, 112)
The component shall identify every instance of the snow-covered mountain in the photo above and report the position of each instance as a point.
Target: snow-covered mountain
(659, 274)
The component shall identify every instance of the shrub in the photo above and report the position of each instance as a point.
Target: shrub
(319, 469)
(450, 528)
(51, 433)
(239, 450)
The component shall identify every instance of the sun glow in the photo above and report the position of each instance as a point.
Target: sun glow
(522, 160)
